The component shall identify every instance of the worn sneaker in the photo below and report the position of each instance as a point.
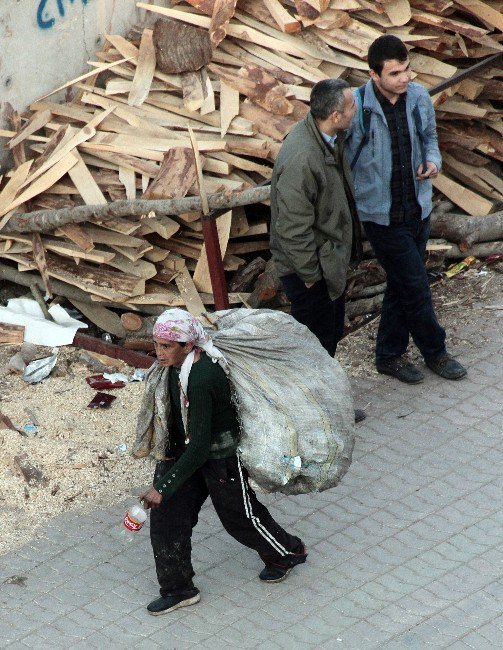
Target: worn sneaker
(402, 369)
(446, 366)
(170, 603)
(279, 571)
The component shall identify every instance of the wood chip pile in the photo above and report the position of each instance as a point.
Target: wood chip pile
(199, 104)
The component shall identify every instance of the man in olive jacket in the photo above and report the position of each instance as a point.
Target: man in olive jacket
(314, 226)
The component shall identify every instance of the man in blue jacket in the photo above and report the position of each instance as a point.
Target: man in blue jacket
(392, 177)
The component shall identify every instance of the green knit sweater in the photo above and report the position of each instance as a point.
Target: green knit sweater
(213, 428)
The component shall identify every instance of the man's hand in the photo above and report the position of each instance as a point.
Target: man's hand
(308, 284)
(431, 171)
(151, 499)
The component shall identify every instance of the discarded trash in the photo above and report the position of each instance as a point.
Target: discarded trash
(101, 401)
(99, 382)
(122, 448)
(30, 429)
(6, 423)
(107, 337)
(38, 330)
(460, 266)
(138, 375)
(483, 272)
(116, 377)
(40, 369)
(16, 580)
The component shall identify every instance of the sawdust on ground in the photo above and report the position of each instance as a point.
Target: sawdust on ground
(80, 451)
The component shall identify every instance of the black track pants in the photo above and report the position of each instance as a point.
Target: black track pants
(242, 515)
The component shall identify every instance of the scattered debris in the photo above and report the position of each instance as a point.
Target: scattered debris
(101, 400)
(32, 474)
(38, 370)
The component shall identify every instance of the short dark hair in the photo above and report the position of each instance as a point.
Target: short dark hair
(386, 48)
(327, 96)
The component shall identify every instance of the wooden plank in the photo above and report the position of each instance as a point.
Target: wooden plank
(398, 11)
(462, 197)
(91, 279)
(128, 179)
(140, 268)
(9, 192)
(484, 12)
(188, 293)
(78, 235)
(286, 22)
(144, 70)
(11, 335)
(82, 77)
(85, 183)
(223, 11)
(202, 278)
(44, 182)
(208, 105)
(40, 261)
(164, 226)
(192, 90)
(34, 124)
(176, 175)
(199, 170)
(134, 254)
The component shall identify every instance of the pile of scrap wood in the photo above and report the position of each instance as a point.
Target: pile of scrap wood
(190, 113)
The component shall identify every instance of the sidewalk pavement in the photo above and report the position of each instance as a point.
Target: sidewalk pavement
(405, 553)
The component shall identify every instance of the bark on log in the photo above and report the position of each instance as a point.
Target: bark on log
(364, 306)
(66, 290)
(477, 250)
(47, 220)
(465, 230)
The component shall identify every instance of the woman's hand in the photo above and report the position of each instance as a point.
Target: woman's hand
(151, 499)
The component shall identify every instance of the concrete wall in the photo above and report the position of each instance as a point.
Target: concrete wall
(44, 43)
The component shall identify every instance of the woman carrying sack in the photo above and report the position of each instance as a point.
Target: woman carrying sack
(188, 422)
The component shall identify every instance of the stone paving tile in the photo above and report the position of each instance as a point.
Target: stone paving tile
(407, 552)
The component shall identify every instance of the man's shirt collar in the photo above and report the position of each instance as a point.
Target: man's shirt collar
(329, 139)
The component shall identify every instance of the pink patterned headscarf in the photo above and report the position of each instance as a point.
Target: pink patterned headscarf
(178, 325)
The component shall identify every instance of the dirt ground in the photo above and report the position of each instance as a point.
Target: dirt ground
(84, 454)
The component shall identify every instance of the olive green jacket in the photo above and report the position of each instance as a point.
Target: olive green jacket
(314, 227)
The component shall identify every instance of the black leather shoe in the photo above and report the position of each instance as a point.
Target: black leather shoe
(279, 571)
(360, 415)
(446, 366)
(402, 369)
(170, 603)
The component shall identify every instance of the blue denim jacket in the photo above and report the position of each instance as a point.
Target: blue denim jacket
(372, 172)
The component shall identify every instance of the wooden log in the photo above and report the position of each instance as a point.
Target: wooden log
(46, 220)
(467, 230)
(180, 47)
(477, 250)
(364, 306)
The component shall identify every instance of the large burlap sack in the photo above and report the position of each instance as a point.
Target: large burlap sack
(294, 401)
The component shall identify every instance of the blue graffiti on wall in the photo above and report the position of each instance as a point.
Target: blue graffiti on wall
(45, 17)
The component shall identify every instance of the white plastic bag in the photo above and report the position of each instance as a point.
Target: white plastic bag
(294, 401)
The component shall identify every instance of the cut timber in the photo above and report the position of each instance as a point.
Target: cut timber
(128, 179)
(140, 268)
(202, 278)
(465, 230)
(257, 84)
(131, 322)
(44, 182)
(11, 334)
(101, 68)
(229, 106)
(462, 197)
(179, 47)
(398, 12)
(78, 235)
(483, 12)
(9, 192)
(144, 70)
(223, 11)
(40, 261)
(164, 226)
(35, 123)
(286, 22)
(188, 293)
(199, 171)
(192, 89)
(275, 126)
(104, 318)
(85, 183)
(105, 283)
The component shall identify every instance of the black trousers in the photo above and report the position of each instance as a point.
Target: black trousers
(242, 515)
(316, 310)
(407, 307)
